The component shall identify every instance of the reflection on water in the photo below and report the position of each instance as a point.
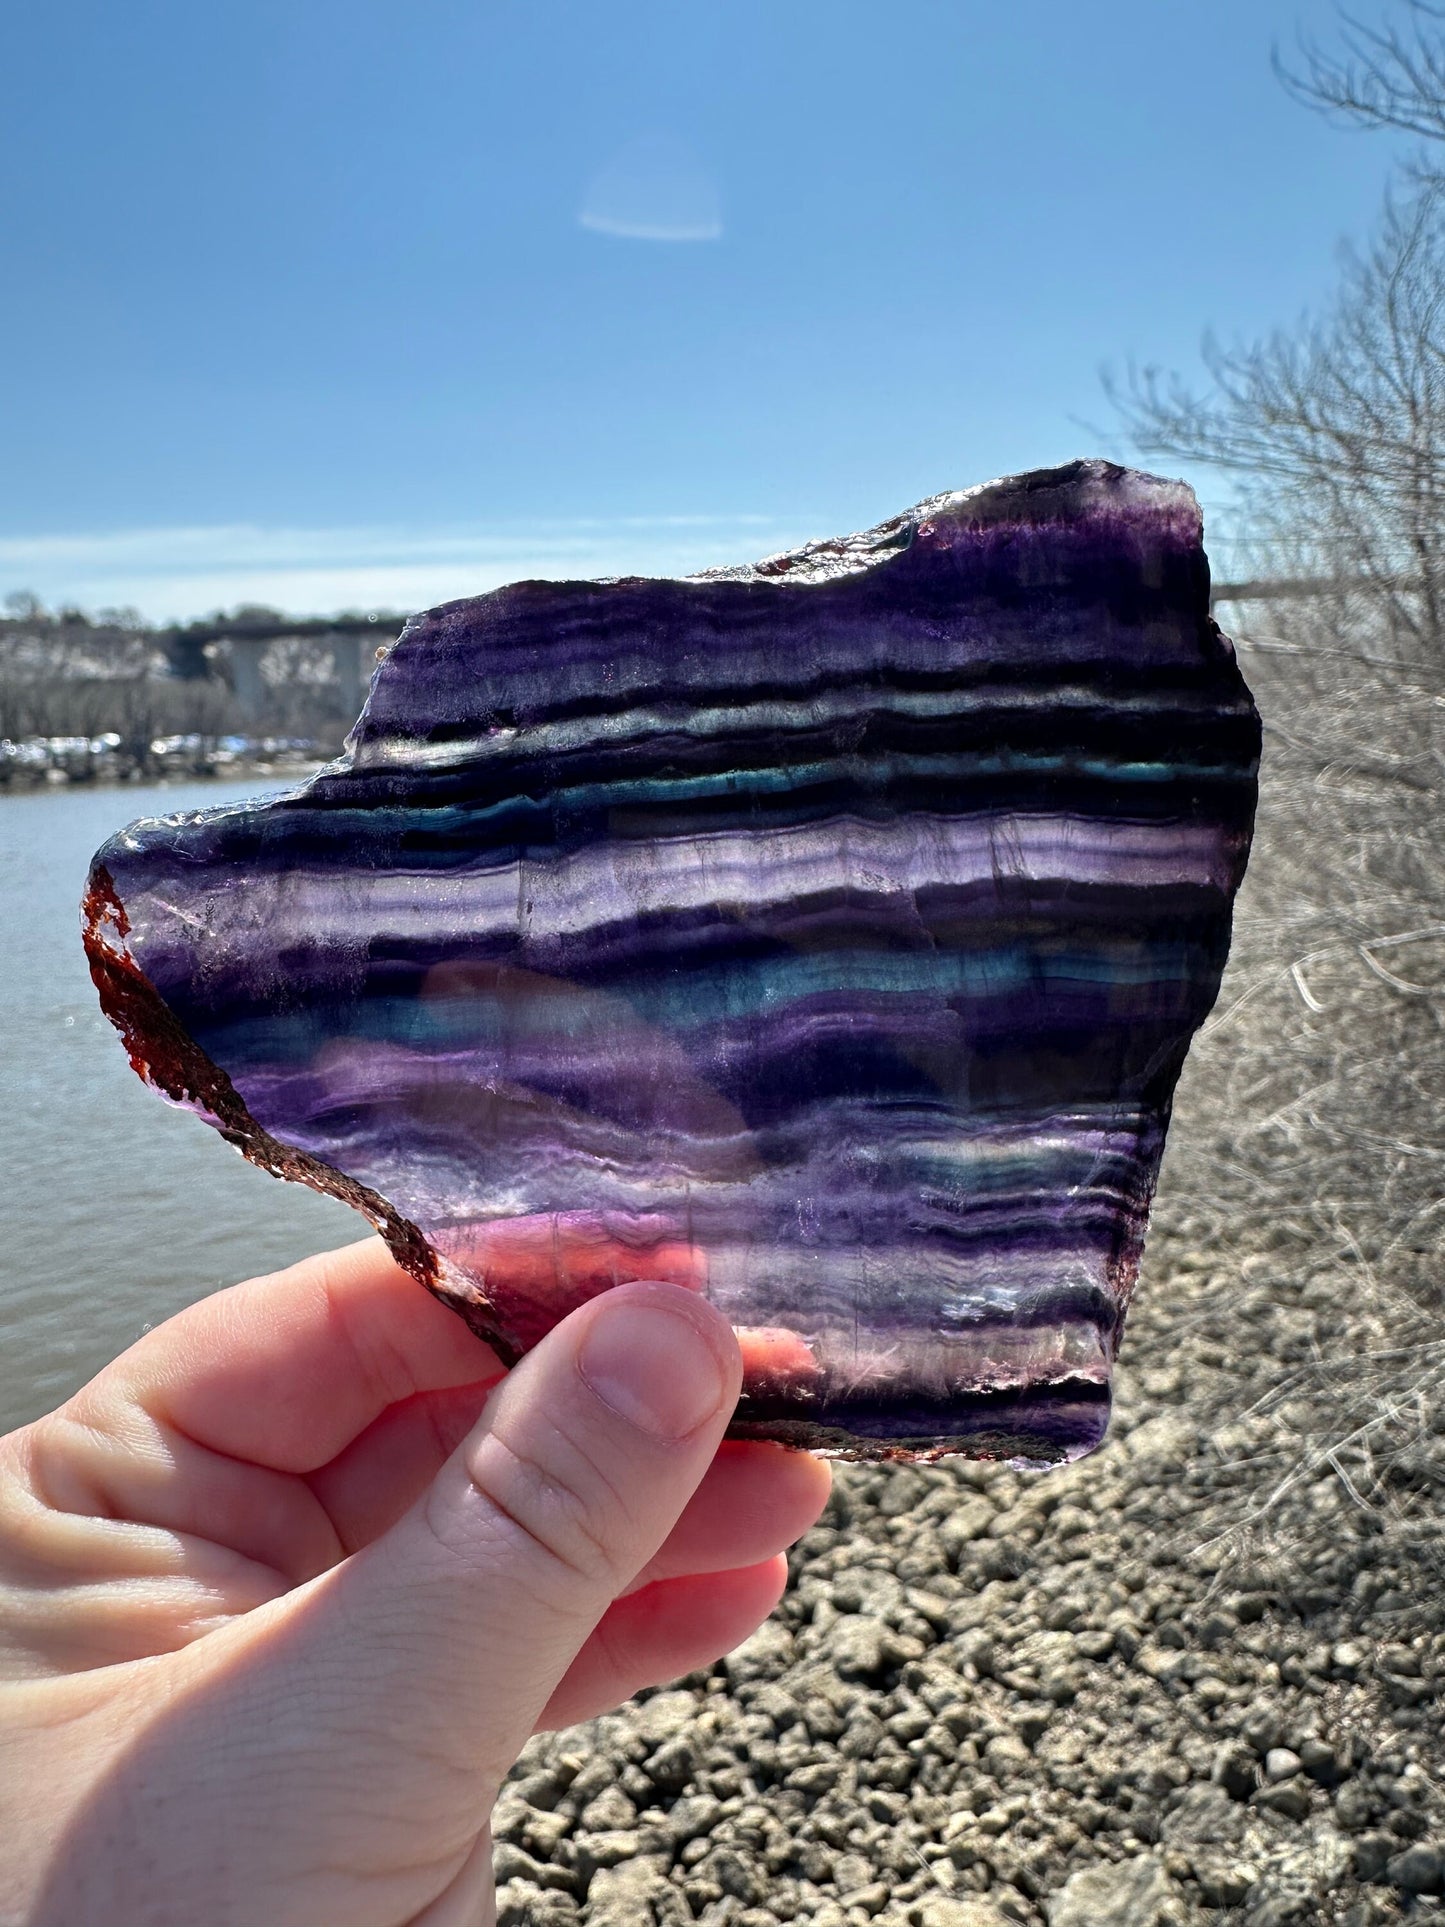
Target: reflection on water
(115, 1210)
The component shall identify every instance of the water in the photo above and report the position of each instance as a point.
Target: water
(115, 1209)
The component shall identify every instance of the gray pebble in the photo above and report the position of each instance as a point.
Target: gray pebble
(1222, 1881)
(1236, 1769)
(1204, 1815)
(943, 1910)
(1418, 1870)
(858, 1646)
(1132, 1893)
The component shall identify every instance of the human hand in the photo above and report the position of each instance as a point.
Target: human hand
(285, 1589)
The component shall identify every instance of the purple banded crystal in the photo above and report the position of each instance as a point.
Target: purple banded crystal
(825, 935)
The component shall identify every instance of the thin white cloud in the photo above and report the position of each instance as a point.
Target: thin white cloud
(178, 574)
(653, 189)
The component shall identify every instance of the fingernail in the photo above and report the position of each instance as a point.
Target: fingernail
(653, 1367)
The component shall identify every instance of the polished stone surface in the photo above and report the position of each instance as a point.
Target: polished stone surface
(826, 935)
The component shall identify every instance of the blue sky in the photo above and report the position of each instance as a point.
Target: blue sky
(354, 305)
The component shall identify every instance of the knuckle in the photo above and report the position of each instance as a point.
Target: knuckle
(62, 1456)
(550, 1502)
(377, 1358)
(616, 1660)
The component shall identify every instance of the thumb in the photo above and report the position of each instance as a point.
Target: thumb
(458, 1624)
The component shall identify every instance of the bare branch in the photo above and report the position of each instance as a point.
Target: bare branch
(1334, 435)
(1381, 77)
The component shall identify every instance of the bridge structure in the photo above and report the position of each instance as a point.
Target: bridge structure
(1297, 589)
(352, 640)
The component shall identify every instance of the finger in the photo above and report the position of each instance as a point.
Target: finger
(546, 1264)
(111, 1465)
(198, 1428)
(464, 1617)
(663, 1631)
(81, 1590)
(370, 1484)
(284, 1371)
(106, 1455)
(754, 1499)
(470, 1896)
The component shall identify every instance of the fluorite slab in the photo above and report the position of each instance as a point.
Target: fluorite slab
(825, 935)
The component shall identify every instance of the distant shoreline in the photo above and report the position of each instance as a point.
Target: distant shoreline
(267, 771)
(89, 769)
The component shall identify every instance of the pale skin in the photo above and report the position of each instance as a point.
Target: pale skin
(286, 1588)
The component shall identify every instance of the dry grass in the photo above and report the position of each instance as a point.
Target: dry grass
(1308, 1154)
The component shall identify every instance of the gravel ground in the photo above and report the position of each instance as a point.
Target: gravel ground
(992, 1697)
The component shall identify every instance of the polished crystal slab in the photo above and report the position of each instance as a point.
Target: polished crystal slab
(825, 935)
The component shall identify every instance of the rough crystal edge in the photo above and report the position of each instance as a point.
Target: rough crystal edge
(1023, 1451)
(171, 1062)
(1032, 496)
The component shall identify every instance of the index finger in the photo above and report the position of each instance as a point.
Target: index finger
(285, 1371)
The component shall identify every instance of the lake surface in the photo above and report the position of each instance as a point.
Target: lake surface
(115, 1209)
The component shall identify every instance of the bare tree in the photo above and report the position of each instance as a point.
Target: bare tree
(1310, 1143)
(1334, 436)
